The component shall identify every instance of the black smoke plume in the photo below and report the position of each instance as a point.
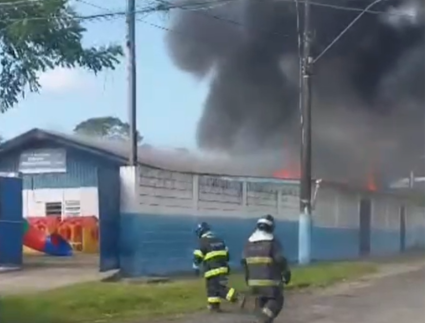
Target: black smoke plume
(368, 89)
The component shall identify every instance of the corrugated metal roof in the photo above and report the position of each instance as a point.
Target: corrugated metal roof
(169, 159)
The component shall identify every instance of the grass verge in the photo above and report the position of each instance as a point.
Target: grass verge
(119, 302)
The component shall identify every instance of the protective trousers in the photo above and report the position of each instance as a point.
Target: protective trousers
(217, 290)
(269, 305)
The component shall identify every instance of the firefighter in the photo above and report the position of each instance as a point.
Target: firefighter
(213, 255)
(266, 270)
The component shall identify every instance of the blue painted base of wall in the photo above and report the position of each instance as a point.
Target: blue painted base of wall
(160, 245)
(156, 245)
(334, 243)
(416, 238)
(384, 242)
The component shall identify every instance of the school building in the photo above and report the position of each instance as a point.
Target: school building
(147, 213)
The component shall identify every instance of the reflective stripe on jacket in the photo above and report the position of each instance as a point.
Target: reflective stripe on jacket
(264, 263)
(213, 255)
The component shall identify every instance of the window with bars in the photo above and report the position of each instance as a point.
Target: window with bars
(53, 208)
(72, 208)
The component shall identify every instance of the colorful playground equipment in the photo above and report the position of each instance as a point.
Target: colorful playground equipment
(53, 244)
(80, 233)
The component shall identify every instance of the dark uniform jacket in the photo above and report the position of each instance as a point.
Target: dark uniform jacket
(213, 254)
(264, 262)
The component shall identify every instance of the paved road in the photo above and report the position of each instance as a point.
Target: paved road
(392, 297)
(44, 272)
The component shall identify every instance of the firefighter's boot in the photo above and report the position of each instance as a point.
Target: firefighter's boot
(214, 308)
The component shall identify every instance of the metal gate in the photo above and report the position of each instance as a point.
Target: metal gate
(11, 222)
(109, 217)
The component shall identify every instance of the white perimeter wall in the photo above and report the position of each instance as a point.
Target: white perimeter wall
(340, 209)
(336, 208)
(148, 190)
(34, 200)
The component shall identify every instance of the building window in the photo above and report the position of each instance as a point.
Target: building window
(53, 209)
(72, 208)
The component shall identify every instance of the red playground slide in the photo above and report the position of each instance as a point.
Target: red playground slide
(54, 244)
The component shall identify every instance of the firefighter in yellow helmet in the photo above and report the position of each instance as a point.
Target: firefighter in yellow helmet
(213, 255)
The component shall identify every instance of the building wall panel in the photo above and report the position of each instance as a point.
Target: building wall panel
(34, 200)
(415, 226)
(158, 238)
(81, 168)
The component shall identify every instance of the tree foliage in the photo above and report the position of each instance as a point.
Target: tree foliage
(105, 127)
(36, 36)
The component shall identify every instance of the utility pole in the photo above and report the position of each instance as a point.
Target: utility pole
(131, 51)
(305, 220)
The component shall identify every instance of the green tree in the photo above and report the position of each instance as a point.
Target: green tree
(105, 127)
(36, 36)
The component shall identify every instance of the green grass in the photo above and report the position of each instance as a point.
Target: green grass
(120, 302)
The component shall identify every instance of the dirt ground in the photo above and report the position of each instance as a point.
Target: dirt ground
(394, 295)
(44, 273)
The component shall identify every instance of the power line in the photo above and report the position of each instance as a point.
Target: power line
(87, 17)
(137, 18)
(172, 6)
(346, 8)
(343, 32)
(166, 6)
(316, 4)
(214, 3)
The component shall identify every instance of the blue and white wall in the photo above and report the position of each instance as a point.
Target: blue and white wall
(160, 209)
(77, 184)
(415, 226)
(335, 232)
(385, 234)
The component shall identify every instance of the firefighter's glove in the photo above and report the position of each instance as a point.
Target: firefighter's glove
(286, 277)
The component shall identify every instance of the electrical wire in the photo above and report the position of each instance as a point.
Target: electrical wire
(216, 3)
(87, 17)
(344, 31)
(166, 6)
(316, 4)
(185, 35)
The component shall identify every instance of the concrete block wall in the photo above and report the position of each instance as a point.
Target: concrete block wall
(160, 209)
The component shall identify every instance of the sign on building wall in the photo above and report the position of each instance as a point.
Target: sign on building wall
(43, 161)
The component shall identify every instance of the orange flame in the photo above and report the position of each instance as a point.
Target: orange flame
(371, 183)
(286, 174)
